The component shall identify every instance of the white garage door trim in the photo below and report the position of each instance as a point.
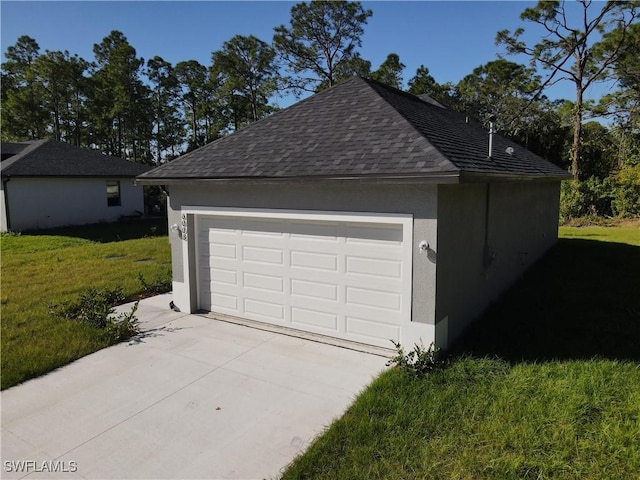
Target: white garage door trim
(404, 221)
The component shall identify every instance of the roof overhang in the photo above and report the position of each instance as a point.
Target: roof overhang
(434, 178)
(132, 177)
(484, 177)
(448, 177)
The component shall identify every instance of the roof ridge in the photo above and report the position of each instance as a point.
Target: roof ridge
(32, 146)
(475, 129)
(411, 96)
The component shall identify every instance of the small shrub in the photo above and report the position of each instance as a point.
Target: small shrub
(597, 198)
(122, 327)
(586, 198)
(160, 284)
(418, 361)
(97, 308)
(626, 196)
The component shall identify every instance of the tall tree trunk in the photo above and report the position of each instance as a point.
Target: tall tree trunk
(119, 154)
(576, 151)
(577, 146)
(78, 120)
(195, 125)
(56, 123)
(158, 146)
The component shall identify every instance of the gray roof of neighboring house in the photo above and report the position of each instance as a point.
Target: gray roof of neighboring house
(49, 158)
(359, 129)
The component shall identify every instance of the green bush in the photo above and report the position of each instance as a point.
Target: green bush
(618, 195)
(626, 195)
(97, 308)
(122, 327)
(418, 361)
(160, 284)
(591, 197)
(571, 200)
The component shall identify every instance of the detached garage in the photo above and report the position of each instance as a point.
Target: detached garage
(362, 213)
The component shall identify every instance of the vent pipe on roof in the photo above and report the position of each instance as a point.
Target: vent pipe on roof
(492, 120)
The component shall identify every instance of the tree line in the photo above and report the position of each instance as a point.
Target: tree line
(153, 111)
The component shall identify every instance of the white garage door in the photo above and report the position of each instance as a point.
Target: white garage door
(345, 279)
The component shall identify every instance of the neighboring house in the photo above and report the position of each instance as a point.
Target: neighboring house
(362, 213)
(49, 184)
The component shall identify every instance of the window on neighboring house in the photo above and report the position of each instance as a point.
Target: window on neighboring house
(113, 193)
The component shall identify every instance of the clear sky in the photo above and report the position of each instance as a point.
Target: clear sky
(450, 38)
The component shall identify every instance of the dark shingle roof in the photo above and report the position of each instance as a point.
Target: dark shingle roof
(361, 129)
(49, 158)
(9, 149)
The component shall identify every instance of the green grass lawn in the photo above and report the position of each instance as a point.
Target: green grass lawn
(47, 268)
(546, 385)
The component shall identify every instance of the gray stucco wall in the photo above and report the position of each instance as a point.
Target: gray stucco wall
(515, 222)
(520, 225)
(420, 201)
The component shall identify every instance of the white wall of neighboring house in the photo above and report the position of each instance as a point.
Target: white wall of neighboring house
(3, 210)
(35, 203)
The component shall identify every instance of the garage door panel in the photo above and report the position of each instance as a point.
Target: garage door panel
(314, 246)
(374, 284)
(223, 250)
(313, 318)
(372, 332)
(374, 267)
(222, 236)
(269, 283)
(222, 288)
(373, 314)
(267, 269)
(228, 276)
(376, 298)
(273, 256)
(261, 309)
(257, 239)
(227, 302)
(221, 263)
(312, 289)
(317, 304)
(314, 260)
(263, 295)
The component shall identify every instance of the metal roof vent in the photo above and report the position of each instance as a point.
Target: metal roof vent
(492, 122)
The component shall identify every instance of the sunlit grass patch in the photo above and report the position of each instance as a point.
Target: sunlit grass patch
(39, 271)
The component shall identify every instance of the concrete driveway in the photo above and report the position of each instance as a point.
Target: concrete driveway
(193, 397)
